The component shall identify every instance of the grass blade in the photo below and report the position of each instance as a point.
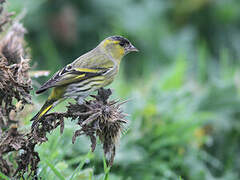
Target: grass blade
(56, 172)
(80, 166)
(106, 169)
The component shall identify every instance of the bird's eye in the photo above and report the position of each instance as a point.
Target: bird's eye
(121, 43)
(69, 67)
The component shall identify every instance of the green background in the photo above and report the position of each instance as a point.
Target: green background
(183, 85)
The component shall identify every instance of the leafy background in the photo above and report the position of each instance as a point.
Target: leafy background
(183, 85)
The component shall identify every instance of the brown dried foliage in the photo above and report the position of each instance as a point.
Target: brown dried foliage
(15, 86)
(97, 118)
(5, 17)
(15, 83)
(13, 141)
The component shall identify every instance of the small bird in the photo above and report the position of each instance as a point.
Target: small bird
(91, 71)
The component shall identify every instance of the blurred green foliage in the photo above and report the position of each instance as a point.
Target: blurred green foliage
(184, 85)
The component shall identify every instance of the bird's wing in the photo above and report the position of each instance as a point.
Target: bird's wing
(91, 64)
(94, 59)
(70, 75)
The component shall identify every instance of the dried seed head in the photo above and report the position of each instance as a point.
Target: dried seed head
(103, 119)
(15, 83)
(5, 17)
(12, 46)
(97, 118)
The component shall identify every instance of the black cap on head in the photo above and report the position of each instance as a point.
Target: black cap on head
(121, 40)
(125, 43)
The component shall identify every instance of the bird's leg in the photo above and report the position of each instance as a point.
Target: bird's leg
(80, 101)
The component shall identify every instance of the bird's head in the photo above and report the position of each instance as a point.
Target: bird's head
(117, 46)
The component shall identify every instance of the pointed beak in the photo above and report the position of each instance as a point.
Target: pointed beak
(132, 48)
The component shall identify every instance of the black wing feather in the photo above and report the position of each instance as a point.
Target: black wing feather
(52, 81)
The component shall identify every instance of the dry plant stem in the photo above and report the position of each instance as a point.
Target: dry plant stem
(15, 86)
(97, 118)
(15, 83)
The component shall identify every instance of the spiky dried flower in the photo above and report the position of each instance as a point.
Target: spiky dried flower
(15, 83)
(15, 86)
(12, 45)
(97, 118)
(13, 140)
(101, 118)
